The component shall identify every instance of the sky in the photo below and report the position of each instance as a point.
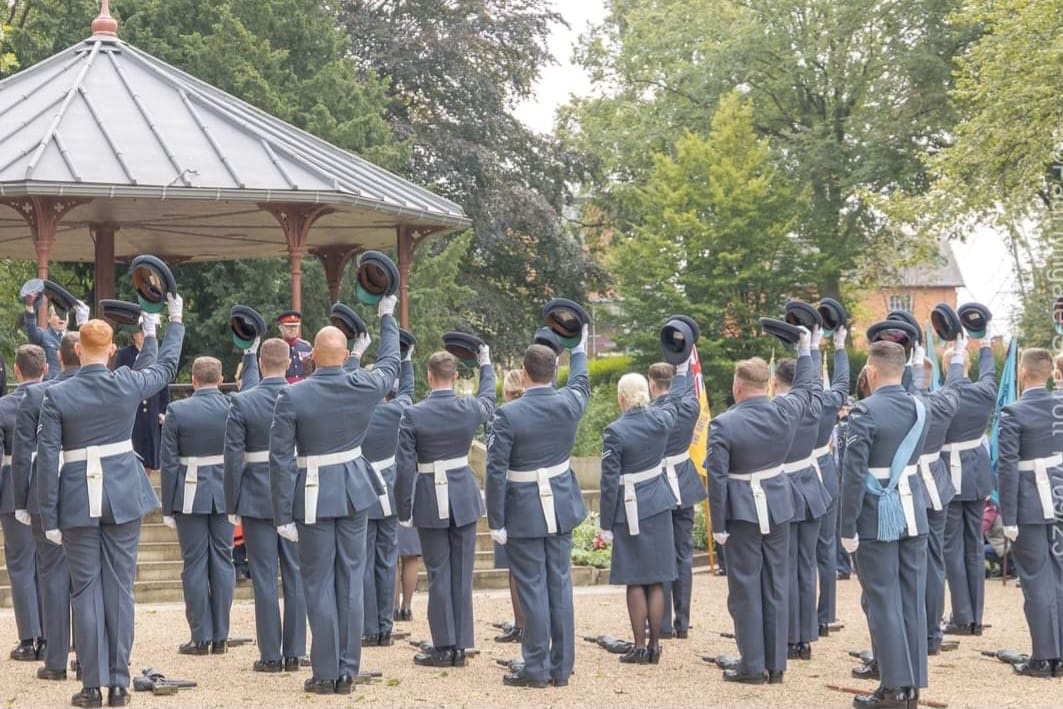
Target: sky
(982, 257)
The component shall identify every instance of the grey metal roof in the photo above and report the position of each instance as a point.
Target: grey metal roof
(940, 271)
(104, 120)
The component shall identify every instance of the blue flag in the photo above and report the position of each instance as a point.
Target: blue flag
(932, 355)
(1007, 392)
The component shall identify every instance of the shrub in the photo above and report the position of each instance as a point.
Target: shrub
(601, 411)
(588, 549)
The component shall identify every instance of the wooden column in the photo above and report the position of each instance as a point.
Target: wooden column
(103, 239)
(335, 259)
(43, 215)
(296, 219)
(404, 246)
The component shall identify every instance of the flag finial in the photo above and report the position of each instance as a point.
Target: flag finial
(104, 23)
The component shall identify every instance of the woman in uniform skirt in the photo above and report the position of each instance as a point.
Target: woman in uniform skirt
(636, 508)
(512, 388)
(409, 556)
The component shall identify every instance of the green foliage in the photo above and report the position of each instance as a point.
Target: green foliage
(8, 61)
(602, 410)
(701, 535)
(587, 548)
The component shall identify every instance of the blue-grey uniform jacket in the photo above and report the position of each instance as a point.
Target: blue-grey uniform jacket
(194, 428)
(1030, 448)
(877, 425)
(93, 408)
(977, 403)
(751, 437)
(247, 486)
(328, 413)
(23, 464)
(537, 431)
(691, 487)
(833, 400)
(808, 489)
(941, 406)
(382, 438)
(47, 339)
(633, 444)
(439, 428)
(8, 410)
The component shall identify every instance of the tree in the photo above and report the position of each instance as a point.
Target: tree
(714, 240)
(8, 61)
(456, 68)
(851, 93)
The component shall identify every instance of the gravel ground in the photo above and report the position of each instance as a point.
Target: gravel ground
(959, 678)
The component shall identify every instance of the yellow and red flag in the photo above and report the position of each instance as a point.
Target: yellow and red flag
(699, 444)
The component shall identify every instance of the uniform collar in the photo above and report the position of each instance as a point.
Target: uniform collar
(90, 369)
(543, 390)
(212, 391)
(68, 373)
(891, 389)
(1036, 393)
(441, 394)
(633, 412)
(327, 372)
(273, 381)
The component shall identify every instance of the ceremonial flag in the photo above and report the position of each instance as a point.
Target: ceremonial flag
(1007, 392)
(932, 355)
(699, 444)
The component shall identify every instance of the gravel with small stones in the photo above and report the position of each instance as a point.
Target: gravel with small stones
(959, 678)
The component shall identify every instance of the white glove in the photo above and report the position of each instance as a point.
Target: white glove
(169, 522)
(582, 346)
(253, 349)
(606, 535)
(839, 337)
(361, 344)
(54, 536)
(149, 323)
(721, 537)
(407, 523)
(804, 344)
(1011, 533)
(483, 355)
(81, 313)
(289, 532)
(23, 517)
(386, 306)
(918, 355)
(175, 306)
(500, 536)
(850, 545)
(234, 520)
(817, 337)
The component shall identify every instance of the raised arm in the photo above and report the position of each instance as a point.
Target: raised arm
(405, 393)
(499, 445)
(609, 487)
(579, 381)
(283, 470)
(858, 441)
(25, 435)
(235, 446)
(149, 352)
(1008, 467)
(250, 376)
(838, 393)
(49, 446)
(987, 372)
(386, 367)
(168, 461)
(29, 321)
(803, 394)
(151, 380)
(485, 395)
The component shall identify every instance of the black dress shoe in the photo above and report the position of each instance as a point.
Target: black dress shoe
(653, 655)
(459, 658)
(558, 682)
(404, 614)
(319, 686)
(436, 657)
(291, 664)
(951, 628)
(344, 684)
(385, 640)
(88, 697)
(843, 576)
(1034, 668)
(268, 666)
(219, 647)
(117, 696)
(824, 630)
(41, 648)
(883, 698)
(512, 634)
(195, 648)
(25, 651)
(804, 651)
(792, 652)
(775, 677)
(636, 656)
(682, 634)
(737, 676)
(519, 679)
(868, 670)
(49, 673)
(372, 640)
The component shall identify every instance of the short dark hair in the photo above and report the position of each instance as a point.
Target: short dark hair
(661, 374)
(207, 370)
(443, 365)
(1038, 362)
(887, 356)
(68, 356)
(540, 363)
(786, 370)
(30, 361)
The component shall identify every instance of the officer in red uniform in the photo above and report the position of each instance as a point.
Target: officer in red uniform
(291, 326)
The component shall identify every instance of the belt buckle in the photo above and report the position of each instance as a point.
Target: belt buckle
(310, 483)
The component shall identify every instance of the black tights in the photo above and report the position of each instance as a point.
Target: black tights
(645, 604)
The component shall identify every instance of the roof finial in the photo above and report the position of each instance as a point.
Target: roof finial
(105, 24)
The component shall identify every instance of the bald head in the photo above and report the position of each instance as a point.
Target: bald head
(330, 347)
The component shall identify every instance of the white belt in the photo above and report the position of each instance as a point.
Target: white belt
(1040, 467)
(256, 456)
(925, 461)
(312, 463)
(670, 463)
(439, 469)
(631, 500)
(904, 489)
(92, 455)
(818, 453)
(542, 477)
(760, 500)
(192, 464)
(955, 464)
(7, 460)
(379, 466)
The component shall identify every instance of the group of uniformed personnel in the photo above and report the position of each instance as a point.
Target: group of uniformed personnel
(323, 476)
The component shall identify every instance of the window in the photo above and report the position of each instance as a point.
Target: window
(902, 301)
